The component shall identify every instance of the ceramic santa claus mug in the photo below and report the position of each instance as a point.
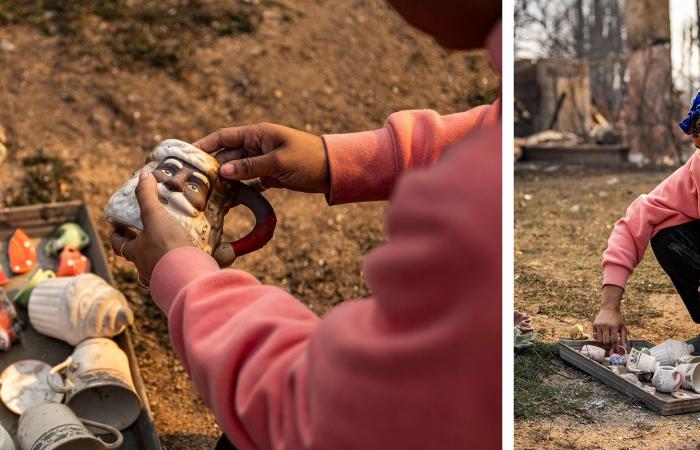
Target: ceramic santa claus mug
(190, 188)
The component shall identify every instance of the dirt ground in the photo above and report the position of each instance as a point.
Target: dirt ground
(563, 217)
(86, 93)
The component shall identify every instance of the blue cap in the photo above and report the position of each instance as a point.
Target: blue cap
(693, 114)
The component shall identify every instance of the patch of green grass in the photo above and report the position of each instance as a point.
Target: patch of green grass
(535, 393)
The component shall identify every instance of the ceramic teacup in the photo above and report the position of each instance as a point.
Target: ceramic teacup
(593, 352)
(53, 426)
(688, 359)
(691, 376)
(670, 350)
(6, 440)
(667, 379)
(98, 383)
(641, 361)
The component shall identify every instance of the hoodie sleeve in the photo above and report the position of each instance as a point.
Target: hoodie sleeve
(365, 166)
(673, 202)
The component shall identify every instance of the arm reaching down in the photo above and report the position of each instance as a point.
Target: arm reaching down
(673, 202)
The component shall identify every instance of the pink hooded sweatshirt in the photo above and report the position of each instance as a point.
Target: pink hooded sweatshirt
(673, 202)
(416, 366)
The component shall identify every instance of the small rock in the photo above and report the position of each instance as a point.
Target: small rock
(3, 135)
(7, 46)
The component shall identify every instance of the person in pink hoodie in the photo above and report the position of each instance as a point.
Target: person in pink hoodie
(668, 218)
(417, 365)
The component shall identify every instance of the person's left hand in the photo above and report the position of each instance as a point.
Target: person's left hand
(161, 231)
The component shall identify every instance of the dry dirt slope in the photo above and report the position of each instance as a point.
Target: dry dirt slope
(561, 230)
(86, 90)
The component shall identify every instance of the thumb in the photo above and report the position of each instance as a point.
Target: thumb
(253, 167)
(147, 196)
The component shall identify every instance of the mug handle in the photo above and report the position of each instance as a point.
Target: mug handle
(680, 379)
(265, 221)
(109, 429)
(67, 385)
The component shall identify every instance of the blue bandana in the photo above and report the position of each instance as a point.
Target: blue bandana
(693, 113)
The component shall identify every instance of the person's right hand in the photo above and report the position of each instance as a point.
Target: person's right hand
(608, 327)
(277, 155)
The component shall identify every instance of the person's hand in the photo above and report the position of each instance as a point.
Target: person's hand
(161, 231)
(608, 327)
(278, 156)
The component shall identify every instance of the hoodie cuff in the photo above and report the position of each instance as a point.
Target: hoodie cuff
(362, 166)
(176, 270)
(615, 275)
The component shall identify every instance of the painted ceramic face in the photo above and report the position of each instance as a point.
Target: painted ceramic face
(190, 188)
(182, 185)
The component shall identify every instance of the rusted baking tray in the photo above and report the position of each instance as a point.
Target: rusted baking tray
(660, 403)
(39, 221)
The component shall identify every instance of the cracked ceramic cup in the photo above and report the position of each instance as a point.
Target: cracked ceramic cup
(98, 383)
(691, 376)
(73, 309)
(6, 442)
(670, 350)
(53, 426)
(667, 379)
(639, 360)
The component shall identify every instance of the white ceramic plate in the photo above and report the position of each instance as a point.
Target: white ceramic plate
(24, 385)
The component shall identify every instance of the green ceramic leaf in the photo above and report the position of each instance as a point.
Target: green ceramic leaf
(22, 297)
(69, 234)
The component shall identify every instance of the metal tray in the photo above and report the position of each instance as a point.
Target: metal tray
(660, 403)
(39, 221)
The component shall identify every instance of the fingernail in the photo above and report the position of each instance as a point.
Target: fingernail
(227, 170)
(143, 175)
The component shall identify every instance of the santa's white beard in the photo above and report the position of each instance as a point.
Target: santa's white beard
(123, 208)
(193, 220)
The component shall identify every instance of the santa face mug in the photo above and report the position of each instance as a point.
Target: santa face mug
(190, 188)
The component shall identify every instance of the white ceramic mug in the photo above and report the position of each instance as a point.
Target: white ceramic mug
(98, 383)
(667, 379)
(53, 426)
(641, 361)
(670, 350)
(688, 359)
(6, 442)
(592, 352)
(691, 376)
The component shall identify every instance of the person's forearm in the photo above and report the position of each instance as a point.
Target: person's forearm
(365, 166)
(241, 342)
(612, 297)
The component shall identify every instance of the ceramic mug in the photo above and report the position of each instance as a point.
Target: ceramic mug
(6, 442)
(53, 426)
(201, 209)
(592, 352)
(691, 376)
(641, 361)
(670, 350)
(667, 379)
(688, 359)
(98, 383)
